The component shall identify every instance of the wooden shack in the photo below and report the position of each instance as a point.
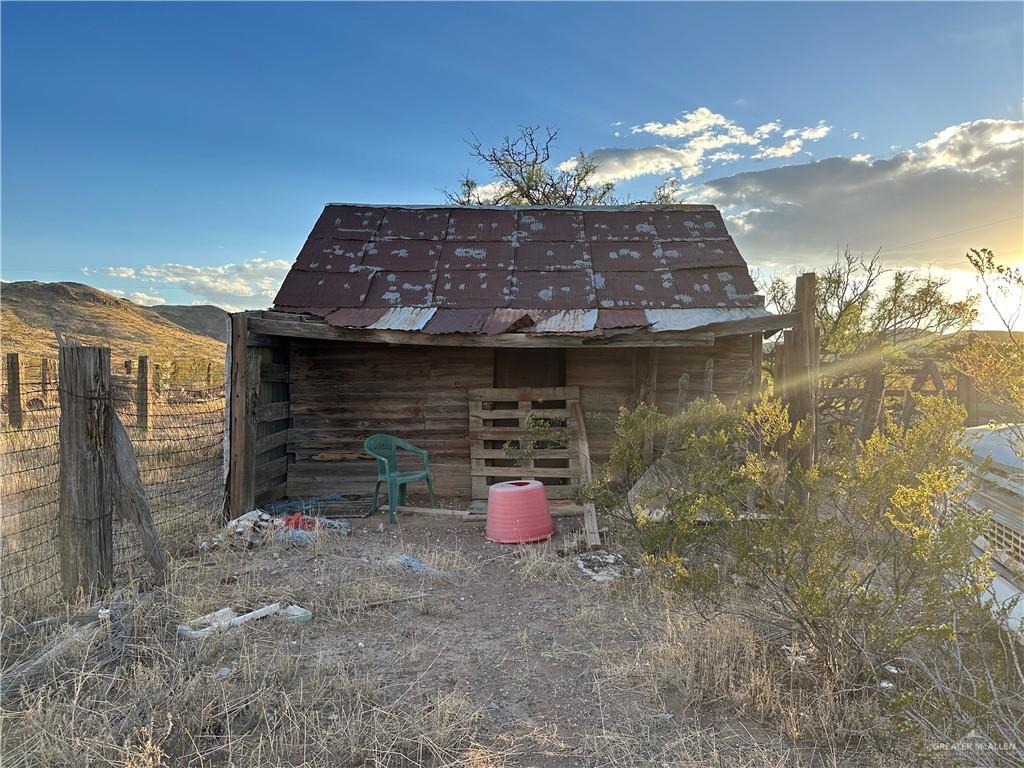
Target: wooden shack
(448, 326)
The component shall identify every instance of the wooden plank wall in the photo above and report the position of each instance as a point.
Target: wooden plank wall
(605, 378)
(273, 412)
(343, 392)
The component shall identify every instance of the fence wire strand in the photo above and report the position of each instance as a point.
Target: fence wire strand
(180, 457)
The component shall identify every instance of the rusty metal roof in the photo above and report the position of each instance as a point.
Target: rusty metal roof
(532, 269)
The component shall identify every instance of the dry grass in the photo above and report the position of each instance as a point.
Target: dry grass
(499, 656)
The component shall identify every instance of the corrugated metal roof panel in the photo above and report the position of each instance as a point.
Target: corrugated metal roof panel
(329, 255)
(402, 255)
(716, 287)
(687, 319)
(688, 224)
(602, 226)
(323, 289)
(404, 319)
(636, 289)
(548, 226)
(554, 290)
(487, 225)
(507, 321)
(699, 254)
(473, 288)
(401, 289)
(567, 321)
(457, 320)
(318, 311)
(525, 260)
(624, 257)
(552, 256)
(355, 317)
(477, 255)
(621, 318)
(414, 224)
(348, 221)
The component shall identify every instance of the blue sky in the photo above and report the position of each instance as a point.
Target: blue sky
(181, 152)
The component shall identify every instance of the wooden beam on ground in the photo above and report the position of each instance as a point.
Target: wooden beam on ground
(85, 518)
(590, 529)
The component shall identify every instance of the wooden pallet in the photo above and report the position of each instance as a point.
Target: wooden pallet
(498, 416)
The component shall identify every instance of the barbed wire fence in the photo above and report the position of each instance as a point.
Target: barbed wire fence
(173, 411)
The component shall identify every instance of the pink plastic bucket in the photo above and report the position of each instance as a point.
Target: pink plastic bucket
(517, 512)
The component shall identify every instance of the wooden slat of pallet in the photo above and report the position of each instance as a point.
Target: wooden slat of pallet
(526, 472)
(539, 394)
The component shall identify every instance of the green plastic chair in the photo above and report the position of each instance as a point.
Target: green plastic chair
(384, 448)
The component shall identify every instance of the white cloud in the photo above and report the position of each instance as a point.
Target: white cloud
(697, 121)
(692, 145)
(145, 299)
(856, 136)
(127, 272)
(788, 149)
(960, 188)
(251, 283)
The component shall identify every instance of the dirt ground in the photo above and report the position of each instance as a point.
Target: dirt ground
(493, 655)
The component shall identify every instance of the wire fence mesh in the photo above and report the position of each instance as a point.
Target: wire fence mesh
(180, 454)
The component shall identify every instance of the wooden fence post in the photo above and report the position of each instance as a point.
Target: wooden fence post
(45, 378)
(209, 375)
(967, 395)
(874, 397)
(803, 373)
(14, 410)
(142, 394)
(128, 367)
(245, 386)
(86, 471)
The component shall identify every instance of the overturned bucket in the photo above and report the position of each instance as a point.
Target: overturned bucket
(518, 512)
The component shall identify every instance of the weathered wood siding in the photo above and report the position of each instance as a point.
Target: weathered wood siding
(343, 392)
(605, 379)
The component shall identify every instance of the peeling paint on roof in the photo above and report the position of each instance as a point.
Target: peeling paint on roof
(489, 269)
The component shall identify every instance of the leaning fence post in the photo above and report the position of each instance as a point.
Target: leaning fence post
(142, 394)
(86, 470)
(14, 411)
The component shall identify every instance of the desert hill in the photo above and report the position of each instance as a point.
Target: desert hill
(30, 311)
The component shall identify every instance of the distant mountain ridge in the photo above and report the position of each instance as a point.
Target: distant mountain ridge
(205, 319)
(30, 311)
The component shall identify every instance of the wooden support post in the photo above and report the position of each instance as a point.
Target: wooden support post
(245, 386)
(128, 367)
(45, 379)
(15, 414)
(967, 396)
(85, 521)
(874, 397)
(142, 394)
(756, 364)
(804, 369)
(709, 378)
